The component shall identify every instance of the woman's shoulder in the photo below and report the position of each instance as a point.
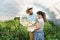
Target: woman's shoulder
(41, 20)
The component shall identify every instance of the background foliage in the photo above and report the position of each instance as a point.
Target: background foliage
(13, 30)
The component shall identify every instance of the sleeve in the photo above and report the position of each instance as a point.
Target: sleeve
(39, 20)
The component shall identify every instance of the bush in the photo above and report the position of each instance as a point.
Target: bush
(8, 30)
(13, 30)
(52, 31)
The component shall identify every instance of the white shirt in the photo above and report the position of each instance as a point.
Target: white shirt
(42, 24)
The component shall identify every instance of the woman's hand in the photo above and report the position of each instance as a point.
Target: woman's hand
(36, 20)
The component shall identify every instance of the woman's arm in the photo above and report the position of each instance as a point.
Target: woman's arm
(38, 26)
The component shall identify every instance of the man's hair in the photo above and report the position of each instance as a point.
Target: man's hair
(27, 11)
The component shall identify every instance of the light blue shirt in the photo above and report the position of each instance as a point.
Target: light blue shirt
(32, 17)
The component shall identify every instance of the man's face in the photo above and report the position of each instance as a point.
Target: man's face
(30, 11)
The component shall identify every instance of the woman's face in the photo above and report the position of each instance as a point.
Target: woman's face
(39, 16)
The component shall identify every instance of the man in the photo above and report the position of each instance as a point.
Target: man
(32, 17)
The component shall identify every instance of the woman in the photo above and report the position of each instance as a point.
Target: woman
(38, 32)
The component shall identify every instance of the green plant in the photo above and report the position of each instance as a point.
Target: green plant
(13, 30)
(52, 31)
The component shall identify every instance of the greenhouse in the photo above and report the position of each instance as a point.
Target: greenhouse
(12, 25)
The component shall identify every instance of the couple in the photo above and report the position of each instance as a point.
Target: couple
(39, 19)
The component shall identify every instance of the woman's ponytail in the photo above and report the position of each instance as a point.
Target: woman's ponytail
(44, 17)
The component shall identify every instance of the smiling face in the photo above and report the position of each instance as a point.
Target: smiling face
(29, 11)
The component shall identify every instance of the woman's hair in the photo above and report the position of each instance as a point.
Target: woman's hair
(42, 14)
(27, 11)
